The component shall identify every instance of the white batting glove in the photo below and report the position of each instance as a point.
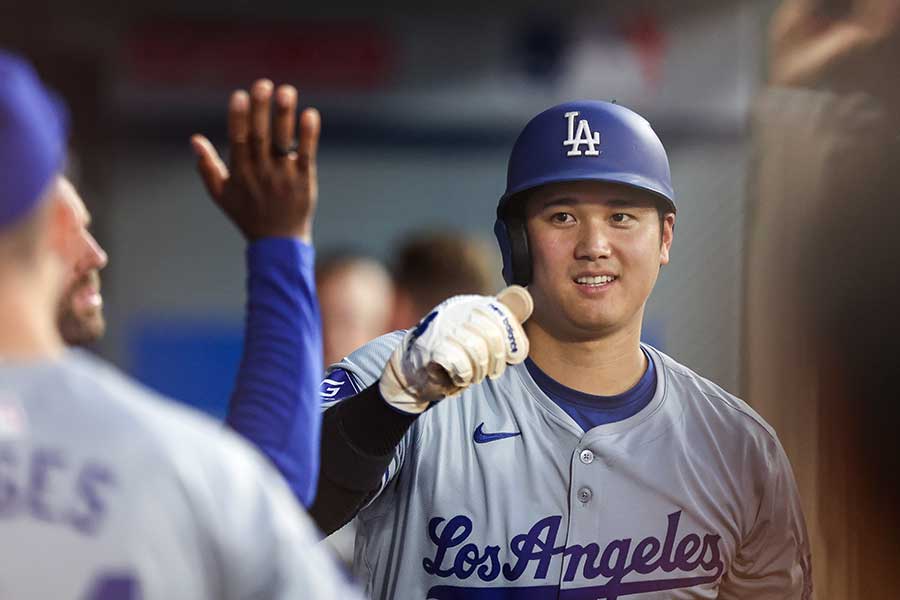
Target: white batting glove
(462, 341)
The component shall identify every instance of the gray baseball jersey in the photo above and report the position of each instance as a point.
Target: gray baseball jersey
(108, 492)
(500, 494)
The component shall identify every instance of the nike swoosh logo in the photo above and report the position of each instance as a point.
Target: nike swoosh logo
(481, 437)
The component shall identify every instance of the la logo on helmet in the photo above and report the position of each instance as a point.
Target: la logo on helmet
(583, 135)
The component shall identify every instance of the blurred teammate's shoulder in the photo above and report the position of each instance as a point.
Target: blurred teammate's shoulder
(83, 406)
(88, 395)
(165, 497)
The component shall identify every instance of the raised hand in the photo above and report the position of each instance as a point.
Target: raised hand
(269, 188)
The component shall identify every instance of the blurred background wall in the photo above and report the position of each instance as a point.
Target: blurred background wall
(420, 107)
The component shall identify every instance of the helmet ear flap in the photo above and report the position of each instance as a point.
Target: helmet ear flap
(512, 238)
(502, 235)
(520, 252)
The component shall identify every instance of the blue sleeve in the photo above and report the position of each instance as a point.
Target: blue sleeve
(275, 403)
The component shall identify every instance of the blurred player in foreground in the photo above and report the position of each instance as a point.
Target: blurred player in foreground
(107, 490)
(598, 467)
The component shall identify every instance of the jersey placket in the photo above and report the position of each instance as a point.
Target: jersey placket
(586, 500)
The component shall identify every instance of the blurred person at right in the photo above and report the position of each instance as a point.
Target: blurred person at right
(821, 275)
(850, 300)
(109, 491)
(430, 266)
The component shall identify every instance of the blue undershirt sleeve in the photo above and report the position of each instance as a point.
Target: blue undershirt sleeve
(275, 404)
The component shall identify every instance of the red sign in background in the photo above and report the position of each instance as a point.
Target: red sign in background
(345, 56)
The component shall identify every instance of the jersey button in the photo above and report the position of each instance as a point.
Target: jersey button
(587, 457)
(585, 494)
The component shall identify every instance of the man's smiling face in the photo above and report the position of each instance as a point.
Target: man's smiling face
(596, 251)
(80, 316)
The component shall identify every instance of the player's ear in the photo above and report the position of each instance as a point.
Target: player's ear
(667, 231)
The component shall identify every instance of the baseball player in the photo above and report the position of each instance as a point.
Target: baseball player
(576, 462)
(283, 328)
(107, 491)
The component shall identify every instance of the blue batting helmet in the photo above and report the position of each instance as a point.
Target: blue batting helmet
(32, 138)
(577, 141)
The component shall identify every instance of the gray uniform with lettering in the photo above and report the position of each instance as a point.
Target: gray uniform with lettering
(500, 494)
(108, 492)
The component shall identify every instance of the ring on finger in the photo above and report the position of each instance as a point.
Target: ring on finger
(284, 151)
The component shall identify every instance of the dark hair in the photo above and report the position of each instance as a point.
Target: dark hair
(432, 266)
(333, 260)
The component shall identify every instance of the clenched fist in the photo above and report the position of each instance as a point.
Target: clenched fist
(462, 341)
